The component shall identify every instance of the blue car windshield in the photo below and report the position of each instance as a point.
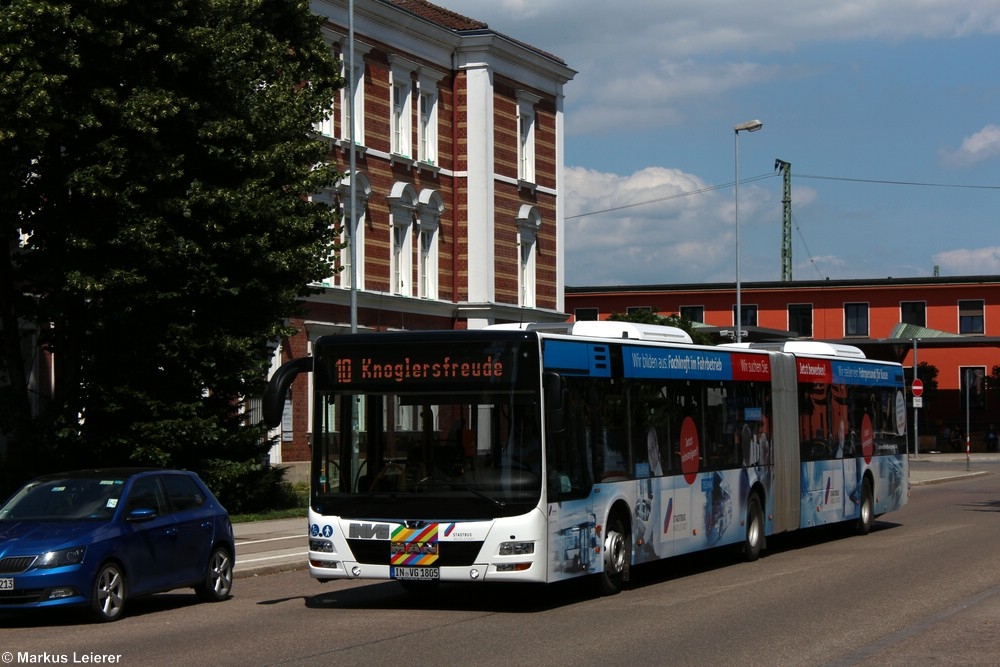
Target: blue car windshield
(70, 498)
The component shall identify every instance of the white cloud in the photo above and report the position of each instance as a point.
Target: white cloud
(655, 95)
(978, 147)
(656, 225)
(969, 261)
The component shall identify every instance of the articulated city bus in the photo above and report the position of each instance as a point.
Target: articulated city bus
(538, 453)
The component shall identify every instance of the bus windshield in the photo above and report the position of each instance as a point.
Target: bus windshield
(386, 436)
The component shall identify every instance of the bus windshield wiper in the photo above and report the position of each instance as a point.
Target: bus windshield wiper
(476, 492)
(465, 487)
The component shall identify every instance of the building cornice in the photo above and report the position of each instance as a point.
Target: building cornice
(396, 303)
(858, 283)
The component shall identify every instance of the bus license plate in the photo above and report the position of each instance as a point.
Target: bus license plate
(414, 573)
(6, 584)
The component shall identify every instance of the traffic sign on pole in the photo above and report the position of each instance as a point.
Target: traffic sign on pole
(917, 387)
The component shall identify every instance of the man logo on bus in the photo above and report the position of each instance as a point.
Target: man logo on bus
(397, 548)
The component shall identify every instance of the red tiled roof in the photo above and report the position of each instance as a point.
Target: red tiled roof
(453, 21)
(439, 15)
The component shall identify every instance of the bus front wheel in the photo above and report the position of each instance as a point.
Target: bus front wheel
(616, 557)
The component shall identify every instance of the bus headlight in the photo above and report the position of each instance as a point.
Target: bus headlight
(322, 546)
(517, 548)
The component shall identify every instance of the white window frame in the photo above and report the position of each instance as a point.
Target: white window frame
(327, 126)
(427, 263)
(401, 252)
(526, 122)
(402, 215)
(400, 130)
(427, 115)
(363, 191)
(528, 223)
(427, 127)
(359, 97)
(329, 198)
(401, 95)
(971, 312)
(430, 206)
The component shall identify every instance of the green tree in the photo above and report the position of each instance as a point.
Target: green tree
(927, 373)
(672, 320)
(155, 157)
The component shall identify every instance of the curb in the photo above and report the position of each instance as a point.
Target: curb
(950, 478)
(265, 570)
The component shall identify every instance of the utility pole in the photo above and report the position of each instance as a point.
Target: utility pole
(786, 220)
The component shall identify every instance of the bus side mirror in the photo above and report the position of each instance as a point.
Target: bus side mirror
(273, 400)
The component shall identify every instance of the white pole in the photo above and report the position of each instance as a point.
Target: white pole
(736, 206)
(749, 126)
(916, 410)
(352, 227)
(968, 400)
(352, 221)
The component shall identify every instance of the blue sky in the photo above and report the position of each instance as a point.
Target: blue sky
(887, 110)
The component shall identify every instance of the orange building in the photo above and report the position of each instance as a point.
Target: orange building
(952, 324)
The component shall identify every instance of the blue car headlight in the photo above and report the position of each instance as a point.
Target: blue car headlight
(61, 557)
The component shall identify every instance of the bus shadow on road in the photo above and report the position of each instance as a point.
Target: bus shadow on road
(491, 597)
(679, 567)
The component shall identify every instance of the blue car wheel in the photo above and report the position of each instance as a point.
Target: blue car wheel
(108, 599)
(218, 582)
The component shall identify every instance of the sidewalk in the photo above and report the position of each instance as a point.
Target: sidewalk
(929, 468)
(282, 545)
(268, 547)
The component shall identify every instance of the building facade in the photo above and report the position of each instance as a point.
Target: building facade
(457, 139)
(952, 324)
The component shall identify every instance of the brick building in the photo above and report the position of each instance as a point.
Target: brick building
(955, 321)
(458, 151)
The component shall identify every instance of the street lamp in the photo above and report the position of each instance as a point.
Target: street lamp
(749, 126)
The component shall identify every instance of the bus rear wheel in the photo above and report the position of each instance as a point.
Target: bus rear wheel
(866, 512)
(753, 541)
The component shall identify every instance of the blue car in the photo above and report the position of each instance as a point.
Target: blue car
(95, 538)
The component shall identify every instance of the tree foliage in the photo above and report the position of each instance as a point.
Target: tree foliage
(155, 157)
(928, 374)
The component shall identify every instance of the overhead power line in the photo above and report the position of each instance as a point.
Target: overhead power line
(914, 183)
(676, 195)
(711, 188)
